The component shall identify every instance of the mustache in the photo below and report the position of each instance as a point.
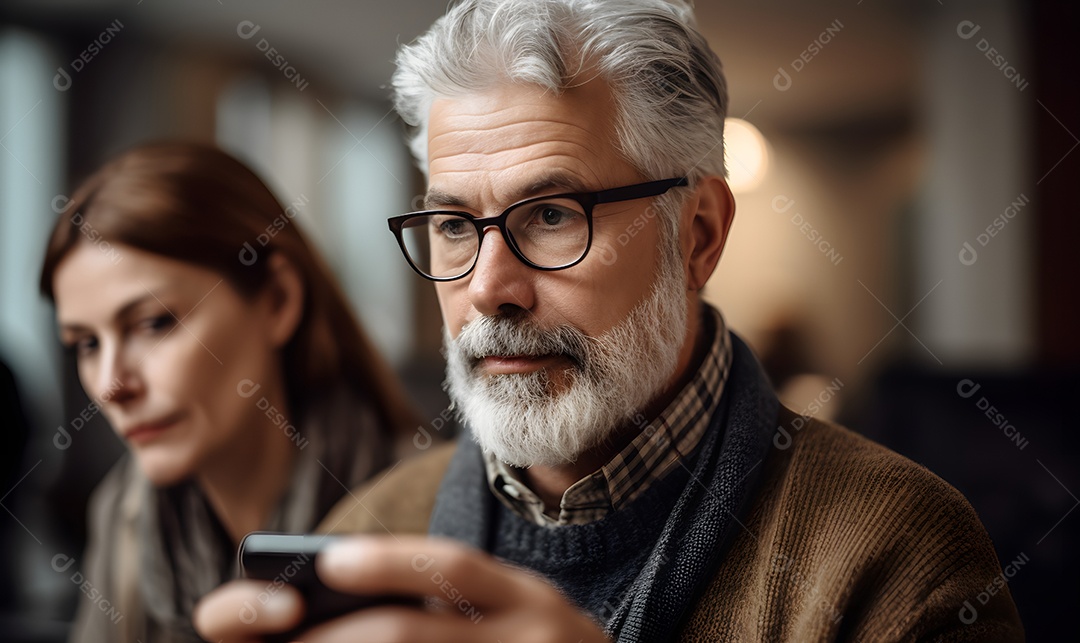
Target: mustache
(520, 334)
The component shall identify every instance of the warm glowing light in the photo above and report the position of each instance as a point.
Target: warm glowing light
(746, 154)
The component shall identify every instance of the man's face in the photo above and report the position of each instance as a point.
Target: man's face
(490, 150)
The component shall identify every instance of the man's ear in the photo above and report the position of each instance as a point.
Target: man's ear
(282, 299)
(706, 219)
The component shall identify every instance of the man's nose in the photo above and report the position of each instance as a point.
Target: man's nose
(499, 278)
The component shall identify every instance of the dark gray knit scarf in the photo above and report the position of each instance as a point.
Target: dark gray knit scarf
(703, 520)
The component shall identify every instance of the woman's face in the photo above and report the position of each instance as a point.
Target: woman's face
(167, 349)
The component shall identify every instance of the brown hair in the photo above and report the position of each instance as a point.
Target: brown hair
(197, 204)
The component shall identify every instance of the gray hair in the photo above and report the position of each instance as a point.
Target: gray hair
(667, 84)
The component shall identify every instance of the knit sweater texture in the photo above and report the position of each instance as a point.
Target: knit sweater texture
(776, 529)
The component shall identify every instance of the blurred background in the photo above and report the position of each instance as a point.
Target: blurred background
(902, 256)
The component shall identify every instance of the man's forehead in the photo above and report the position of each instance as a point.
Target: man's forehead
(519, 141)
(458, 128)
(551, 182)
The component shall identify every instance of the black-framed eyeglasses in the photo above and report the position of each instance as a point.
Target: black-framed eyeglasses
(547, 232)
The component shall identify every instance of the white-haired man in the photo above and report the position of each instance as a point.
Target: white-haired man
(626, 472)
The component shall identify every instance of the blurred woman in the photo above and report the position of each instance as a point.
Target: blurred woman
(218, 346)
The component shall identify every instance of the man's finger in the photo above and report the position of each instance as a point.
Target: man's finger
(396, 624)
(418, 566)
(243, 610)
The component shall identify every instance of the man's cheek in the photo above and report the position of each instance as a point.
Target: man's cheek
(451, 305)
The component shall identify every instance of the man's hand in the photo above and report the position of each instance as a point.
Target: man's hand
(475, 599)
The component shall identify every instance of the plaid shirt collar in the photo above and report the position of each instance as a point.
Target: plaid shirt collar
(663, 444)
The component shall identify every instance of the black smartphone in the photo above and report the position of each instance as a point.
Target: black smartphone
(289, 559)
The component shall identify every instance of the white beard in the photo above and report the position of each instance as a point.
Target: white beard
(522, 420)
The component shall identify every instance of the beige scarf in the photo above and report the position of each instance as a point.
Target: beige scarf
(158, 551)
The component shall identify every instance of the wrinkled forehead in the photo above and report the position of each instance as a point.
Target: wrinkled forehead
(514, 135)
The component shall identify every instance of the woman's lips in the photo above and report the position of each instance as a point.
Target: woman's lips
(149, 431)
(519, 364)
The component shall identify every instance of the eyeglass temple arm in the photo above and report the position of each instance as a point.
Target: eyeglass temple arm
(652, 188)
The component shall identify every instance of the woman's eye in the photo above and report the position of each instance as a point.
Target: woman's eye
(85, 346)
(160, 322)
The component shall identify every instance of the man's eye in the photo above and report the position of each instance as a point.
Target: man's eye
(551, 216)
(554, 217)
(453, 228)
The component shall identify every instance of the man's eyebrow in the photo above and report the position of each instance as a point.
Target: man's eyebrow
(436, 198)
(554, 182)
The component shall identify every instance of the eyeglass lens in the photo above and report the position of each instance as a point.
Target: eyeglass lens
(549, 233)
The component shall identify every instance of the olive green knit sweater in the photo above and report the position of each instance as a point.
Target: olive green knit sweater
(844, 541)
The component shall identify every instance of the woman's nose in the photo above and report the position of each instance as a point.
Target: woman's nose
(119, 380)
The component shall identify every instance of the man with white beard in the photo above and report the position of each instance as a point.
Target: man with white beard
(626, 472)
(519, 418)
